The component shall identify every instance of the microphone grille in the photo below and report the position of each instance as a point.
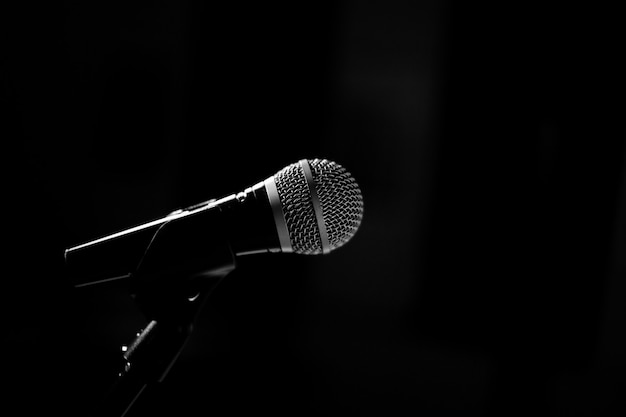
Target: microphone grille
(322, 205)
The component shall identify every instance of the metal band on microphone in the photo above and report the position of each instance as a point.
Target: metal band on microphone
(279, 216)
(317, 207)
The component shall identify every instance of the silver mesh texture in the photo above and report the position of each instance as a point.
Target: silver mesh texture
(340, 199)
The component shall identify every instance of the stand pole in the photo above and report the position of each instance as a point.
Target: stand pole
(148, 359)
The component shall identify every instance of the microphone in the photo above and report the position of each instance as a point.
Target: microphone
(309, 207)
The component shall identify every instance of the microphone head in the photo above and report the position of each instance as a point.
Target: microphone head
(321, 206)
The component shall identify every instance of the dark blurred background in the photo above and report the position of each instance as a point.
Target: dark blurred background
(487, 279)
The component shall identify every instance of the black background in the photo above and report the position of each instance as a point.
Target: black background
(487, 277)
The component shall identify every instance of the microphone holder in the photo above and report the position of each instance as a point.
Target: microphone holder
(170, 298)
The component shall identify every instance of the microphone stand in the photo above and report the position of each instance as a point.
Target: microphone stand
(147, 360)
(170, 297)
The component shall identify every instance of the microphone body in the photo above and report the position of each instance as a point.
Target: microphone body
(309, 207)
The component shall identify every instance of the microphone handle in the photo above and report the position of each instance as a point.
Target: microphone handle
(118, 255)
